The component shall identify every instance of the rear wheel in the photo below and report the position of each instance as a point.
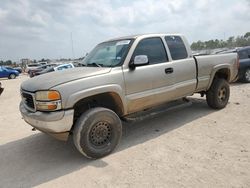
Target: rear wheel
(218, 94)
(246, 76)
(97, 132)
(31, 74)
(12, 76)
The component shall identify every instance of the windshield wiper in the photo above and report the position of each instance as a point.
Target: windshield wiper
(95, 64)
(82, 64)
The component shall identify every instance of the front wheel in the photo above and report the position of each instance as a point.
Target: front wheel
(12, 76)
(97, 132)
(218, 94)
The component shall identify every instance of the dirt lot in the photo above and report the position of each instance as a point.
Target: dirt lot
(192, 146)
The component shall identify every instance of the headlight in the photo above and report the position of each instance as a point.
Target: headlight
(48, 96)
(48, 100)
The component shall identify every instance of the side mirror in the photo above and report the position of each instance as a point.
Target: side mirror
(139, 60)
(248, 56)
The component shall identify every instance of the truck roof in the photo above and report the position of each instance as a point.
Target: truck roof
(142, 35)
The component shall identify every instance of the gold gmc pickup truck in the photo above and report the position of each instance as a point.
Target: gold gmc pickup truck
(121, 77)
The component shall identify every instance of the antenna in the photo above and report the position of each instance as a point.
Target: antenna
(73, 53)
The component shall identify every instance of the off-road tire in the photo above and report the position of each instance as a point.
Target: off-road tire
(97, 132)
(218, 94)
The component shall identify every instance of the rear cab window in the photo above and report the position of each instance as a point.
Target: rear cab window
(153, 48)
(176, 47)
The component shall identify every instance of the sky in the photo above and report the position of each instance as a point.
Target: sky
(38, 29)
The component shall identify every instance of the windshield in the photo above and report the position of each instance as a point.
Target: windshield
(108, 54)
(9, 68)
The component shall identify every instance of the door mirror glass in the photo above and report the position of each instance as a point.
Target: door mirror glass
(140, 60)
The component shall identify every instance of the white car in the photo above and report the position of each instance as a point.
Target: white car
(57, 68)
(64, 66)
(32, 66)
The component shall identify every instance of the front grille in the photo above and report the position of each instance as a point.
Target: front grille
(28, 100)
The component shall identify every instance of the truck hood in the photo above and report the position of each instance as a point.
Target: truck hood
(49, 80)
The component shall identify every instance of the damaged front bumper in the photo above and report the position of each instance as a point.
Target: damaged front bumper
(57, 124)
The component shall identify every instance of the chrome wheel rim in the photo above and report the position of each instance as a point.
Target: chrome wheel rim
(100, 134)
(12, 76)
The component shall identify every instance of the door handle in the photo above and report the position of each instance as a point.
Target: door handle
(169, 70)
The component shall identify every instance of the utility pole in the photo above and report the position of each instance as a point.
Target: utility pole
(72, 46)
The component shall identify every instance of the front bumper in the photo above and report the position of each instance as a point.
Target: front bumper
(53, 123)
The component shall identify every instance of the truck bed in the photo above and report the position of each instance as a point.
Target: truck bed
(207, 65)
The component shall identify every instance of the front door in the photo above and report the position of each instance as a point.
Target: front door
(148, 85)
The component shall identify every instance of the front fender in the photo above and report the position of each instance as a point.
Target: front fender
(113, 88)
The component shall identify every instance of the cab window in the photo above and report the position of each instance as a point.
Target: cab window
(176, 47)
(153, 48)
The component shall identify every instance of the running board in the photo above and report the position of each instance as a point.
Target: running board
(149, 113)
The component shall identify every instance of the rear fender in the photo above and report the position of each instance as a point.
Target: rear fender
(221, 71)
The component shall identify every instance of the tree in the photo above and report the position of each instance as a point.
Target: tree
(231, 42)
(8, 62)
(247, 35)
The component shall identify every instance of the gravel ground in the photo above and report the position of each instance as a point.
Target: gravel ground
(192, 146)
